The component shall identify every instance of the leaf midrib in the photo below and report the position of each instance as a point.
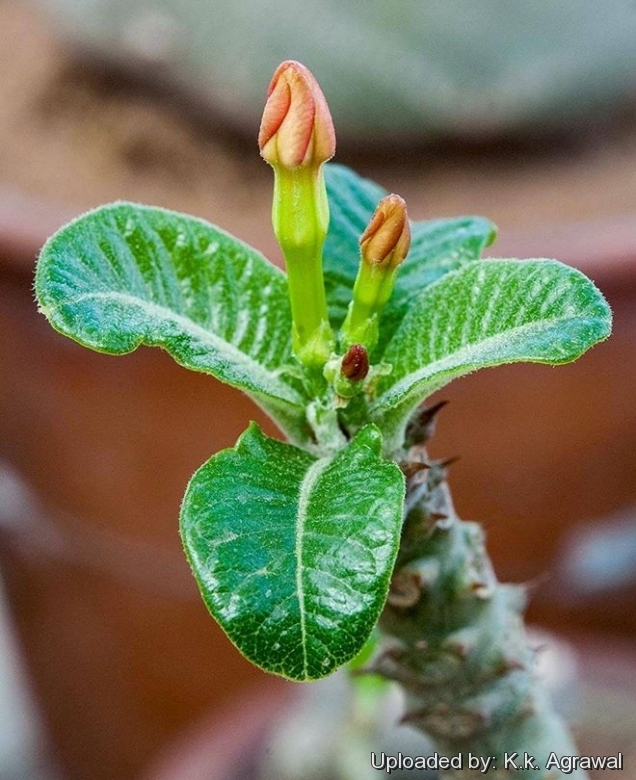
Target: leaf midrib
(307, 485)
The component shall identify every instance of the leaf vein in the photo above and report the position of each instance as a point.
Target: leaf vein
(306, 487)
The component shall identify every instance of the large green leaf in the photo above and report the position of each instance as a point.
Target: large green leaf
(292, 554)
(437, 247)
(487, 313)
(125, 275)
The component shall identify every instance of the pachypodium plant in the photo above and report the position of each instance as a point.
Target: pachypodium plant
(302, 549)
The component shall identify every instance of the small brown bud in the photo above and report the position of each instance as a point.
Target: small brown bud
(387, 239)
(355, 364)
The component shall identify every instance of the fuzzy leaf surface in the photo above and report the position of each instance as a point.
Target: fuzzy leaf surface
(293, 554)
(487, 313)
(437, 247)
(125, 275)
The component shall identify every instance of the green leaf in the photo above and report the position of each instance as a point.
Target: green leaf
(487, 313)
(437, 247)
(293, 554)
(125, 275)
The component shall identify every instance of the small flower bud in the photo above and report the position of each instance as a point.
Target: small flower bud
(355, 364)
(296, 128)
(346, 373)
(383, 247)
(387, 239)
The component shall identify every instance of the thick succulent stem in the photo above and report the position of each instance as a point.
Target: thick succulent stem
(454, 639)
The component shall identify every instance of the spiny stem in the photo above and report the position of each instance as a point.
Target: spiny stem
(454, 639)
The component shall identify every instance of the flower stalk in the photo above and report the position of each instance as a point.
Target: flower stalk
(296, 138)
(384, 245)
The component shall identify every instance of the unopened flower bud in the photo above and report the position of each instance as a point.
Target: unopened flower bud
(296, 137)
(355, 364)
(346, 374)
(387, 239)
(296, 128)
(383, 247)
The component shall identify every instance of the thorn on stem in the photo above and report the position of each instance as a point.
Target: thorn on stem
(444, 464)
(537, 582)
(512, 665)
(406, 589)
(411, 469)
(422, 425)
(481, 589)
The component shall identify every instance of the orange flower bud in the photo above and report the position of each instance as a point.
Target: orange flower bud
(296, 128)
(387, 239)
(383, 246)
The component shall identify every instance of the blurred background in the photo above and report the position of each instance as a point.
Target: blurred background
(524, 113)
